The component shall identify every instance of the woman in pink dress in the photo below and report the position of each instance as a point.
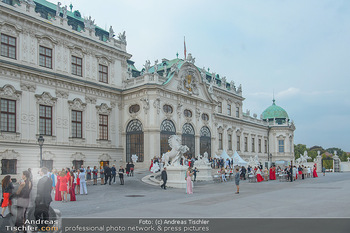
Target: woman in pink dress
(58, 196)
(189, 174)
(259, 178)
(314, 173)
(63, 185)
(72, 187)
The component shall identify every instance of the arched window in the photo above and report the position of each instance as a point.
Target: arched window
(167, 108)
(187, 113)
(205, 141)
(134, 140)
(167, 128)
(188, 139)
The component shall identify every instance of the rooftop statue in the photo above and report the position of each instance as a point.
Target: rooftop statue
(155, 66)
(177, 151)
(64, 11)
(111, 33)
(147, 65)
(58, 10)
(89, 23)
(122, 37)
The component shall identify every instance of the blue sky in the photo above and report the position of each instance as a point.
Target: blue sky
(298, 49)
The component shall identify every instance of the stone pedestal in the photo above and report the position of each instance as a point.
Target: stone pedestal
(176, 176)
(204, 173)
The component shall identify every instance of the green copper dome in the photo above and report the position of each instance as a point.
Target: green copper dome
(274, 112)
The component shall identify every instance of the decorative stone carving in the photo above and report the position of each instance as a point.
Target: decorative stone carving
(147, 65)
(111, 33)
(156, 104)
(175, 68)
(46, 99)
(223, 82)
(89, 24)
(91, 99)
(198, 113)
(31, 87)
(46, 41)
(8, 91)
(9, 154)
(232, 86)
(179, 109)
(64, 11)
(122, 37)
(62, 94)
(204, 75)
(78, 156)
(9, 29)
(190, 58)
(188, 83)
(58, 9)
(77, 104)
(104, 157)
(103, 109)
(145, 104)
(155, 66)
(48, 155)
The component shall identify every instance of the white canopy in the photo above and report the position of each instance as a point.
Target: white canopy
(237, 160)
(216, 157)
(224, 155)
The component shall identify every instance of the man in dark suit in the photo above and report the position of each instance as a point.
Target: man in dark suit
(43, 197)
(164, 177)
(108, 174)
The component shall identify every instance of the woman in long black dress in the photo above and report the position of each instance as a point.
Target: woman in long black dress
(121, 175)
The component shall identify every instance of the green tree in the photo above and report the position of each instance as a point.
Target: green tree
(312, 154)
(299, 149)
(332, 149)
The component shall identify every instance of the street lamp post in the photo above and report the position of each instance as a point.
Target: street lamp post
(41, 142)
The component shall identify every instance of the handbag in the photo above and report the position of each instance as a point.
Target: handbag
(2, 200)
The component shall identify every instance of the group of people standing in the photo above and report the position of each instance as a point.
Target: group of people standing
(20, 196)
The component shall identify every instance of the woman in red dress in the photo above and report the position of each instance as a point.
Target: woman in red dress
(259, 178)
(150, 167)
(72, 187)
(58, 196)
(273, 173)
(314, 172)
(63, 186)
(78, 182)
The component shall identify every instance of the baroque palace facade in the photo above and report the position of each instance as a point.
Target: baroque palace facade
(63, 77)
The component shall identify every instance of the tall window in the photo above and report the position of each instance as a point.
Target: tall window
(8, 46)
(205, 141)
(253, 144)
(77, 122)
(229, 109)
(77, 163)
(265, 146)
(48, 164)
(220, 107)
(103, 125)
(103, 73)
(45, 120)
(245, 143)
(45, 57)
(238, 143)
(281, 146)
(230, 141)
(77, 66)
(134, 141)
(8, 166)
(188, 139)
(237, 112)
(259, 145)
(167, 128)
(220, 141)
(8, 115)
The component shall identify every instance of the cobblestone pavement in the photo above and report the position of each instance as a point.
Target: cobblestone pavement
(325, 196)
